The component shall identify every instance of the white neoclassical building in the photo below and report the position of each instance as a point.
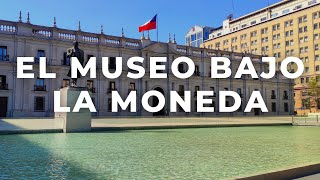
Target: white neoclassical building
(34, 97)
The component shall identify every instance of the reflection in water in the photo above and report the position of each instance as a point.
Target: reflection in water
(159, 154)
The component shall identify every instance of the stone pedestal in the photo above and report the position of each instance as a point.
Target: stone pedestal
(73, 121)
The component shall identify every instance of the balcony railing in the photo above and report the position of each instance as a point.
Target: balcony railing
(40, 88)
(109, 90)
(4, 58)
(285, 97)
(92, 89)
(3, 86)
(273, 96)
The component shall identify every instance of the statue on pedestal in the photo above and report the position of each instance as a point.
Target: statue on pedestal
(75, 51)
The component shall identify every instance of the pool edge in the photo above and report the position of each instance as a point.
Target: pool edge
(138, 127)
(291, 173)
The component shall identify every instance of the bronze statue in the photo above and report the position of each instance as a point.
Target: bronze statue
(75, 51)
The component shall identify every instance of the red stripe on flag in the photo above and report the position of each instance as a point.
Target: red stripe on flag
(149, 26)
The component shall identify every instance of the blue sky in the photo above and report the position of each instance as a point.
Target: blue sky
(174, 16)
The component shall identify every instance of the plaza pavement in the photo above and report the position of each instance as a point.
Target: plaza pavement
(29, 125)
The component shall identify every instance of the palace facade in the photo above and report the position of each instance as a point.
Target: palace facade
(34, 97)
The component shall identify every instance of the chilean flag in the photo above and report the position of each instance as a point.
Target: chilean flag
(152, 24)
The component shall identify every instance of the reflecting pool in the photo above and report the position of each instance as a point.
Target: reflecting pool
(207, 153)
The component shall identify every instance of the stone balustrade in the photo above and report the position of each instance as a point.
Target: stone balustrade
(67, 36)
(8, 27)
(42, 33)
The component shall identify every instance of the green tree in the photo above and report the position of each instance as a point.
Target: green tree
(314, 92)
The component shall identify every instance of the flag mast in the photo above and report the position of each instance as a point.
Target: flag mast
(157, 28)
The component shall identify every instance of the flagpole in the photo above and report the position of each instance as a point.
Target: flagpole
(157, 28)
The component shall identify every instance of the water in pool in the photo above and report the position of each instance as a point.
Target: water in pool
(208, 153)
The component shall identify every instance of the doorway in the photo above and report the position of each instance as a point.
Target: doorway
(3, 106)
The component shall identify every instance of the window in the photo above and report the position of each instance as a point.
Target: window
(303, 29)
(285, 95)
(197, 72)
(288, 23)
(243, 36)
(39, 85)
(274, 107)
(109, 104)
(289, 33)
(112, 63)
(234, 39)
(312, 2)
(316, 47)
(263, 19)
(317, 67)
(285, 11)
(276, 27)
(317, 58)
(3, 82)
(273, 94)
(303, 19)
(40, 53)
(180, 68)
(316, 15)
(264, 31)
(274, 15)
(289, 43)
(253, 22)
(302, 80)
(306, 71)
(217, 45)
(39, 104)
(66, 59)
(286, 107)
(254, 33)
(307, 79)
(316, 36)
(193, 37)
(3, 53)
(316, 26)
(297, 7)
(225, 42)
